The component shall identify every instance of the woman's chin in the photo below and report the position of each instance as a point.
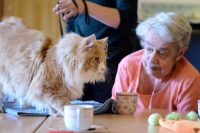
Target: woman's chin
(155, 74)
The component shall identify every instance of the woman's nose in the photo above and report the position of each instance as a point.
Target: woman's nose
(154, 57)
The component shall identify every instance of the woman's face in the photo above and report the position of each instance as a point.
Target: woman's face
(159, 56)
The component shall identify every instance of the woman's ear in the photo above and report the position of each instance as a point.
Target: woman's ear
(181, 53)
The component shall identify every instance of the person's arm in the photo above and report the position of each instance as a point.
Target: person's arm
(108, 16)
(187, 99)
(124, 16)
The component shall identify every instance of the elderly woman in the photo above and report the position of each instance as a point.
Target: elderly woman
(160, 74)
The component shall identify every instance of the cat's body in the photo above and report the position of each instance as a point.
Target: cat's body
(47, 75)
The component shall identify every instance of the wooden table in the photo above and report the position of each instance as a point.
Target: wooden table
(105, 123)
(112, 123)
(19, 124)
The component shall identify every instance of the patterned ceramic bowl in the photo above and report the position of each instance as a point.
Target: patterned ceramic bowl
(126, 102)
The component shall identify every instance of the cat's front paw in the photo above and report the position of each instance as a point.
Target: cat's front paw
(57, 105)
(1, 109)
(54, 112)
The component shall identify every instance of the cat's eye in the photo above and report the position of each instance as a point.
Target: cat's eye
(97, 59)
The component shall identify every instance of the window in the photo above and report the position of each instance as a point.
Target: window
(188, 8)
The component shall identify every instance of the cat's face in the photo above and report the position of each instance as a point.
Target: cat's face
(94, 63)
(82, 58)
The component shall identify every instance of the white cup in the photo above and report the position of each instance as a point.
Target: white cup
(198, 107)
(78, 117)
(198, 102)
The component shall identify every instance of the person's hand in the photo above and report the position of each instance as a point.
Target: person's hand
(68, 9)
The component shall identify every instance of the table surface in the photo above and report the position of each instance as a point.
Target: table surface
(112, 123)
(104, 123)
(19, 124)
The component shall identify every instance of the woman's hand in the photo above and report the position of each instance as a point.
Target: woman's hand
(68, 9)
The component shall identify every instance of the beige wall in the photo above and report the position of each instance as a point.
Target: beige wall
(36, 14)
(1, 8)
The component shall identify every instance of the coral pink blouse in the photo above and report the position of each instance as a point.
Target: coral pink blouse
(181, 92)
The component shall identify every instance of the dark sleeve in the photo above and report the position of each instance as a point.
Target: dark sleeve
(128, 13)
(70, 25)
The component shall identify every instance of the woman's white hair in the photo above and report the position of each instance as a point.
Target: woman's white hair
(170, 26)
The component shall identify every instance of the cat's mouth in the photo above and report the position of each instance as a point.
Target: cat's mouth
(97, 77)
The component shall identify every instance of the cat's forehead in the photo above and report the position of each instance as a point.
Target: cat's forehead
(96, 52)
(100, 43)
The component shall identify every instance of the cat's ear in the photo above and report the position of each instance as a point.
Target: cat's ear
(105, 42)
(105, 39)
(89, 41)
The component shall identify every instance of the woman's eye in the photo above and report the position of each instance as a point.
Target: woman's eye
(163, 53)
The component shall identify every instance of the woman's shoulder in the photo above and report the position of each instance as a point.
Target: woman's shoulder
(133, 57)
(132, 60)
(185, 69)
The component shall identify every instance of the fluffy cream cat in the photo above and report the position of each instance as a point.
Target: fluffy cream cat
(47, 75)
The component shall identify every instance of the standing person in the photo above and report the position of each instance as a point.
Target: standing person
(115, 19)
(160, 74)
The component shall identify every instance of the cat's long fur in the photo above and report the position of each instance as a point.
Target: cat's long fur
(43, 74)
